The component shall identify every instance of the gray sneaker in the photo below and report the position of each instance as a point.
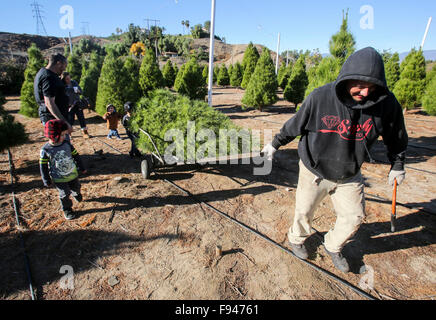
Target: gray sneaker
(299, 250)
(339, 261)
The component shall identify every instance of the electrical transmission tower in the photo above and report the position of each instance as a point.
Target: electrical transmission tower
(85, 28)
(36, 9)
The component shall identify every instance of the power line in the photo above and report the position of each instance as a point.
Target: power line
(85, 28)
(39, 19)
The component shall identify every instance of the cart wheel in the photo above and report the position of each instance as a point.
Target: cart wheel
(146, 168)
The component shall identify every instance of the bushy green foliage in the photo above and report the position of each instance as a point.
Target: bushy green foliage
(223, 76)
(133, 91)
(112, 85)
(284, 74)
(236, 75)
(150, 76)
(392, 69)
(430, 75)
(342, 43)
(429, 98)
(410, 88)
(169, 74)
(297, 83)
(36, 61)
(11, 76)
(179, 77)
(327, 71)
(189, 81)
(205, 74)
(249, 62)
(117, 49)
(12, 133)
(261, 90)
(89, 79)
(162, 111)
(75, 67)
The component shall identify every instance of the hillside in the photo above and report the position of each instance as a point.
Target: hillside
(13, 45)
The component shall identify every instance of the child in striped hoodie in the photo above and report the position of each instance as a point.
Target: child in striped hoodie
(58, 164)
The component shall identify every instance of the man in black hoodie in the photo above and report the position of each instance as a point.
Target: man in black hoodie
(338, 123)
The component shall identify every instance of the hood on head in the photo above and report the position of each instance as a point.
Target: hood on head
(365, 65)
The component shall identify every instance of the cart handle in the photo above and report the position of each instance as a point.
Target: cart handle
(155, 148)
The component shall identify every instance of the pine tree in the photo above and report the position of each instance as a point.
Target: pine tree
(327, 71)
(236, 75)
(392, 69)
(12, 133)
(205, 74)
(229, 71)
(169, 74)
(216, 71)
(341, 47)
(342, 43)
(89, 79)
(284, 74)
(223, 76)
(191, 81)
(112, 85)
(429, 98)
(249, 62)
(179, 77)
(133, 91)
(36, 61)
(74, 67)
(430, 75)
(150, 76)
(297, 84)
(261, 90)
(410, 88)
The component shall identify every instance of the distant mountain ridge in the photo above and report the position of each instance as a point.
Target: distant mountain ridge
(428, 55)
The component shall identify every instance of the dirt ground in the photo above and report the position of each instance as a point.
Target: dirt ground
(145, 239)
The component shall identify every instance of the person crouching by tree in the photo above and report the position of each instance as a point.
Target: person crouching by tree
(75, 104)
(128, 109)
(58, 163)
(112, 117)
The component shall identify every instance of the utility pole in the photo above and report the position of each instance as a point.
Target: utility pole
(287, 57)
(277, 58)
(211, 49)
(85, 28)
(149, 33)
(426, 32)
(37, 14)
(71, 43)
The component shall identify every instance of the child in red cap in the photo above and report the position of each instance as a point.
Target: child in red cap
(58, 165)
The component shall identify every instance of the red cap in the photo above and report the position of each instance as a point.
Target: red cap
(53, 129)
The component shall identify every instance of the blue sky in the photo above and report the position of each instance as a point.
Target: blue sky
(398, 25)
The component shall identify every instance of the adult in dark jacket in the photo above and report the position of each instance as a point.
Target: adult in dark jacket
(76, 105)
(338, 123)
(50, 93)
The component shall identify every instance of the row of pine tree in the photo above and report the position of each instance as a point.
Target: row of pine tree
(115, 78)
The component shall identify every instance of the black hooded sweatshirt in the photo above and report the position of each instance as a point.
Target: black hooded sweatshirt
(337, 132)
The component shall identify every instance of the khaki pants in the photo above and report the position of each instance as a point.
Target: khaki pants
(348, 201)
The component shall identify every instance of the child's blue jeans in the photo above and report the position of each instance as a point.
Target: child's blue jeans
(113, 133)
